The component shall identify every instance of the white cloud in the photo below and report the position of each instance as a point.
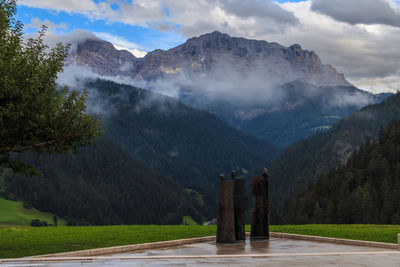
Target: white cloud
(193, 17)
(362, 52)
(86, 7)
(355, 38)
(37, 23)
(79, 36)
(121, 43)
(133, 51)
(379, 85)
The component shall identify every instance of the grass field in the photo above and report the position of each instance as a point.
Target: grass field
(26, 241)
(12, 213)
(378, 233)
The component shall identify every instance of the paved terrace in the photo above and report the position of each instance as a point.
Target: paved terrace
(273, 252)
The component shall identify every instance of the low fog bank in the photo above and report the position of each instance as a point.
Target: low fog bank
(250, 90)
(103, 104)
(252, 87)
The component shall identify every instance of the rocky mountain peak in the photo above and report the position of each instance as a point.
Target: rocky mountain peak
(103, 58)
(205, 54)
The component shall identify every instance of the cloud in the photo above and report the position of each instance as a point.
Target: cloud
(233, 17)
(89, 8)
(380, 85)
(74, 75)
(260, 9)
(247, 92)
(80, 36)
(345, 99)
(37, 23)
(362, 52)
(121, 43)
(73, 37)
(359, 11)
(358, 37)
(185, 17)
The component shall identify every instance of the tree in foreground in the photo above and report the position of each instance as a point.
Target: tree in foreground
(35, 114)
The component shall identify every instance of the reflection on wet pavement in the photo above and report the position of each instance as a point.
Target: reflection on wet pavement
(273, 252)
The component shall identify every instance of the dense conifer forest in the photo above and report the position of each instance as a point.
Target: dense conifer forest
(365, 190)
(305, 160)
(101, 184)
(159, 160)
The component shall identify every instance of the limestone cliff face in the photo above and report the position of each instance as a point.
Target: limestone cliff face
(207, 53)
(103, 58)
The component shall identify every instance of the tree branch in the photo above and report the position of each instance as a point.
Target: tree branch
(5, 149)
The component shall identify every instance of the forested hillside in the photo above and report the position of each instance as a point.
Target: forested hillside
(365, 190)
(191, 146)
(293, 112)
(101, 184)
(304, 160)
(159, 160)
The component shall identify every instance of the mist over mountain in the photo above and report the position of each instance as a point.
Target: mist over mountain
(304, 160)
(188, 145)
(202, 56)
(281, 94)
(150, 140)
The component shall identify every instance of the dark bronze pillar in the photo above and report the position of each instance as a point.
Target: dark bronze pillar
(226, 220)
(240, 206)
(259, 217)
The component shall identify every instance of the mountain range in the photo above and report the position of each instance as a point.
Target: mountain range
(203, 55)
(281, 94)
(211, 105)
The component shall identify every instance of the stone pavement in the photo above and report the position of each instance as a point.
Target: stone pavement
(275, 252)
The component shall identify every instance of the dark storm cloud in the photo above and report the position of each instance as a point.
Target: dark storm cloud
(358, 11)
(260, 9)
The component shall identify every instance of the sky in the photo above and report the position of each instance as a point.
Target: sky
(360, 38)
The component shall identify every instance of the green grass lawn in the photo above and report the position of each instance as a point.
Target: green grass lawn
(12, 213)
(368, 232)
(25, 241)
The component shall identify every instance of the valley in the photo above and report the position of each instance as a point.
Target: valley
(206, 133)
(213, 104)
(281, 94)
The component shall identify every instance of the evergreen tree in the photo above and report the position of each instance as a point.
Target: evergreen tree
(365, 190)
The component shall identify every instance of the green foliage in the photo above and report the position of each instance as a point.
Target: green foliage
(365, 190)
(38, 223)
(34, 115)
(13, 213)
(303, 161)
